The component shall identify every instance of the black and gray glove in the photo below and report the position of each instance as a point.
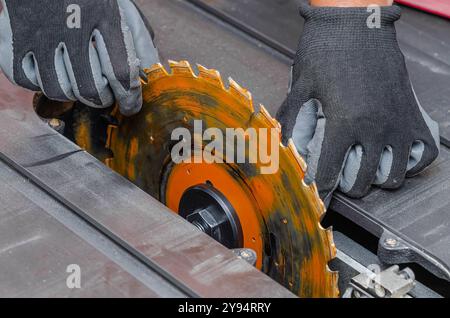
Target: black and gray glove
(86, 50)
(352, 111)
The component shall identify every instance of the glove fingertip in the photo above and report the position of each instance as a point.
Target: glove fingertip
(131, 104)
(429, 155)
(359, 192)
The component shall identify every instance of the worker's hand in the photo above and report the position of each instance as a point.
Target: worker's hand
(352, 111)
(86, 50)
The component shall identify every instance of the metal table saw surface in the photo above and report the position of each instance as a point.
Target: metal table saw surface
(180, 29)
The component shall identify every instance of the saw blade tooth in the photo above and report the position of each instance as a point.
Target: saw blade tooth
(320, 209)
(298, 157)
(155, 72)
(241, 93)
(330, 237)
(323, 209)
(272, 122)
(210, 75)
(334, 277)
(181, 67)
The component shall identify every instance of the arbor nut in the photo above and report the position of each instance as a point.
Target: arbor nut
(206, 223)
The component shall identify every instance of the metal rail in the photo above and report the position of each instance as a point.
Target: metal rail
(103, 230)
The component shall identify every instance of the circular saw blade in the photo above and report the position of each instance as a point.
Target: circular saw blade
(280, 214)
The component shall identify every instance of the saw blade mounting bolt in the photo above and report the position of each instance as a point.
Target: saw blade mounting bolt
(206, 222)
(207, 209)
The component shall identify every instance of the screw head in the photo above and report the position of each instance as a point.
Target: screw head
(57, 125)
(391, 242)
(380, 291)
(54, 123)
(247, 255)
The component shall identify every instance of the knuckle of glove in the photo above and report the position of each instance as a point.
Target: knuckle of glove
(92, 96)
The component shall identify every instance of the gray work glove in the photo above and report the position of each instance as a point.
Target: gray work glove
(86, 50)
(352, 111)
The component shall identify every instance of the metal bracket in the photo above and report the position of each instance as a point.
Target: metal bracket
(394, 250)
(391, 283)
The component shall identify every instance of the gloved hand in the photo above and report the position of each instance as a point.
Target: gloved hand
(86, 50)
(352, 111)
